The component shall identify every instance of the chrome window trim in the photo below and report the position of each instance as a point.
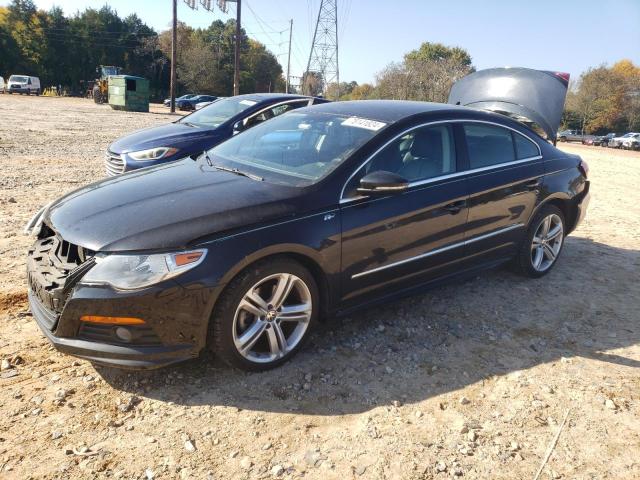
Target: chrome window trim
(440, 250)
(447, 175)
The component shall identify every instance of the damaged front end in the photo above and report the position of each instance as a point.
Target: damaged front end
(146, 328)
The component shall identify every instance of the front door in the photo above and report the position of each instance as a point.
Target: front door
(405, 238)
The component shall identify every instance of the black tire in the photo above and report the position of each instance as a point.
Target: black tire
(524, 261)
(222, 323)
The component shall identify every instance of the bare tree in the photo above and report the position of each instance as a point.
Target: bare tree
(426, 80)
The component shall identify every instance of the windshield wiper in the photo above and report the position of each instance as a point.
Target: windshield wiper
(189, 124)
(230, 170)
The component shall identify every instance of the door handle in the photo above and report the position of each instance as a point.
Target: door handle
(455, 207)
(533, 184)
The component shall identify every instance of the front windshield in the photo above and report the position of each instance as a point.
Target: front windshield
(18, 78)
(297, 148)
(218, 112)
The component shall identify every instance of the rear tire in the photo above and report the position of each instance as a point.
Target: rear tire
(265, 315)
(543, 243)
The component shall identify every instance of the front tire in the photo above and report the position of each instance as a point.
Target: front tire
(543, 243)
(265, 315)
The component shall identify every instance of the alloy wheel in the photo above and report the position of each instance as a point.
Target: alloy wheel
(272, 318)
(547, 242)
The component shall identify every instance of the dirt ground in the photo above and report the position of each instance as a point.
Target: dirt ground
(471, 380)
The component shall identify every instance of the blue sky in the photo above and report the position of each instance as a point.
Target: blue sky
(563, 35)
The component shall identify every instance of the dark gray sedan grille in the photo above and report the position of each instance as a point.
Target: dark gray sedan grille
(114, 163)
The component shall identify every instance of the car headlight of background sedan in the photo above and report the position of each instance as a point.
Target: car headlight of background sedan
(153, 153)
(131, 272)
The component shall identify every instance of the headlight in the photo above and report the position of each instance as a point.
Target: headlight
(130, 272)
(153, 153)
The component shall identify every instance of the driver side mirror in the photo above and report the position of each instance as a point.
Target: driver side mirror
(382, 182)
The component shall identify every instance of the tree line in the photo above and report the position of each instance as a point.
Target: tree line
(66, 51)
(605, 99)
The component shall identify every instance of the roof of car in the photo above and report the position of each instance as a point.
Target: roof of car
(388, 111)
(260, 97)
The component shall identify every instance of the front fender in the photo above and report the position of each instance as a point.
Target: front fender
(314, 239)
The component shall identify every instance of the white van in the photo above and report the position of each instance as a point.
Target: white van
(2, 85)
(23, 84)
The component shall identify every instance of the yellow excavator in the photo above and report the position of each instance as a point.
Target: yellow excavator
(101, 85)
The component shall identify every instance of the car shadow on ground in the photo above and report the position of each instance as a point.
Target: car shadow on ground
(433, 343)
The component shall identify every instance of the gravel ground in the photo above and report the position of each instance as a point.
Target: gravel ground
(472, 380)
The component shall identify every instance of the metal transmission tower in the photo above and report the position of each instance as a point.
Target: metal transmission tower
(322, 67)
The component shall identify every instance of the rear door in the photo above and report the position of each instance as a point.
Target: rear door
(505, 176)
(533, 97)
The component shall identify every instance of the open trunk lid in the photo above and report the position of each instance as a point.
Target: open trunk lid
(533, 97)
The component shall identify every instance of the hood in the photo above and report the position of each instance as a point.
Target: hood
(166, 207)
(533, 97)
(169, 135)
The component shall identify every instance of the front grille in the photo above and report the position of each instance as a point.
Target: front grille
(96, 332)
(54, 266)
(113, 163)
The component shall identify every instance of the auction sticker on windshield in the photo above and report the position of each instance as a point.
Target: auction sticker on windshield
(248, 102)
(363, 123)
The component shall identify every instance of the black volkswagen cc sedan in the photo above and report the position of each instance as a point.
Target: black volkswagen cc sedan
(199, 131)
(317, 212)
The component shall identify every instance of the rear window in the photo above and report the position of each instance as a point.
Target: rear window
(488, 145)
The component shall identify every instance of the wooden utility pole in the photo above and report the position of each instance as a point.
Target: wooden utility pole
(289, 57)
(174, 46)
(236, 69)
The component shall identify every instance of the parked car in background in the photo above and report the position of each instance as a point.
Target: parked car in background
(570, 136)
(603, 140)
(167, 101)
(2, 85)
(23, 84)
(623, 141)
(198, 131)
(632, 142)
(189, 104)
(318, 212)
(588, 139)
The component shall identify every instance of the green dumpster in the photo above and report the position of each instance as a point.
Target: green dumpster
(129, 93)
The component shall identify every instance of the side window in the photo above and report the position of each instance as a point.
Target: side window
(525, 148)
(488, 145)
(420, 154)
(259, 118)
